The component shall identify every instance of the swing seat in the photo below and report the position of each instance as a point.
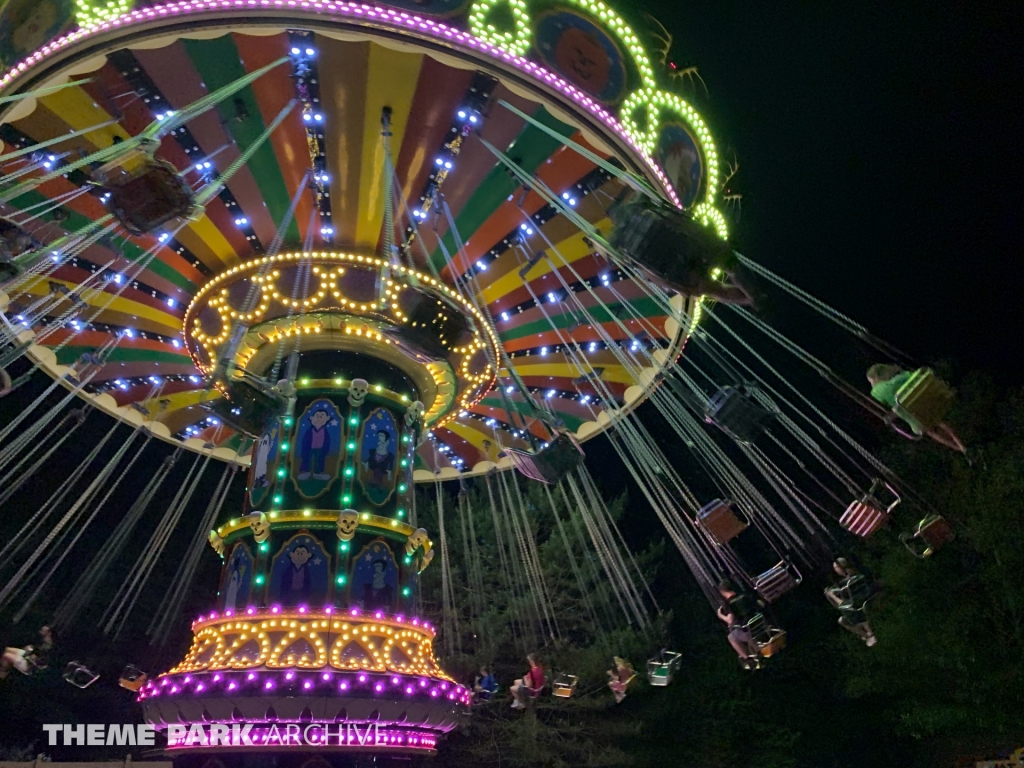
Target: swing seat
(132, 678)
(247, 408)
(148, 196)
(865, 516)
(737, 414)
(777, 581)
(769, 639)
(549, 465)
(931, 535)
(925, 397)
(719, 520)
(564, 686)
(662, 668)
(666, 241)
(79, 675)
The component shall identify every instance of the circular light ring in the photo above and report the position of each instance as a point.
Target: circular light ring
(328, 637)
(518, 42)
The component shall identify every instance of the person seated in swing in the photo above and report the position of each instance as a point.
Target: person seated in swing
(886, 381)
(28, 659)
(739, 608)
(849, 596)
(529, 685)
(485, 685)
(619, 678)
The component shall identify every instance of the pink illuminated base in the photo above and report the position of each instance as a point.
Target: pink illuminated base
(264, 683)
(387, 18)
(317, 735)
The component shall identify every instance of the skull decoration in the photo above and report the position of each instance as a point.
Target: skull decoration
(426, 560)
(217, 543)
(348, 519)
(414, 414)
(260, 524)
(357, 392)
(417, 539)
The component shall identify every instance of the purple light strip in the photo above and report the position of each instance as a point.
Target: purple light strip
(377, 16)
(319, 683)
(351, 735)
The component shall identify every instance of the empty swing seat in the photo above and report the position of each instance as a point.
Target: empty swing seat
(132, 678)
(549, 465)
(738, 414)
(931, 535)
(666, 241)
(777, 581)
(564, 686)
(147, 197)
(663, 667)
(866, 515)
(926, 397)
(79, 675)
(720, 521)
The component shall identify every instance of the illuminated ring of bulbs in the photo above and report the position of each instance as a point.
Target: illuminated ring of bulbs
(647, 96)
(219, 302)
(89, 14)
(517, 43)
(375, 638)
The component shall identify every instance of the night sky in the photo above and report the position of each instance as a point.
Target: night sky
(880, 160)
(880, 168)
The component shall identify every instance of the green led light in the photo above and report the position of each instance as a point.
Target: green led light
(401, 513)
(288, 421)
(337, 381)
(340, 579)
(281, 472)
(401, 488)
(277, 499)
(348, 471)
(307, 512)
(408, 559)
(346, 499)
(351, 446)
(344, 546)
(405, 462)
(405, 438)
(263, 547)
(284, 447)
(353, 421)
(406, 591)
(259, 578)
(378, 387)
(305, 382)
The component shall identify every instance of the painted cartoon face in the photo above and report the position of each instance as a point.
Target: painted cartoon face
(299, 556)
(378, 566)
(581, 57)
(348, 519)
(319, 419)
(382, 440)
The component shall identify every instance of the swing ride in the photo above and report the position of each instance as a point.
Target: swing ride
(356, 248)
